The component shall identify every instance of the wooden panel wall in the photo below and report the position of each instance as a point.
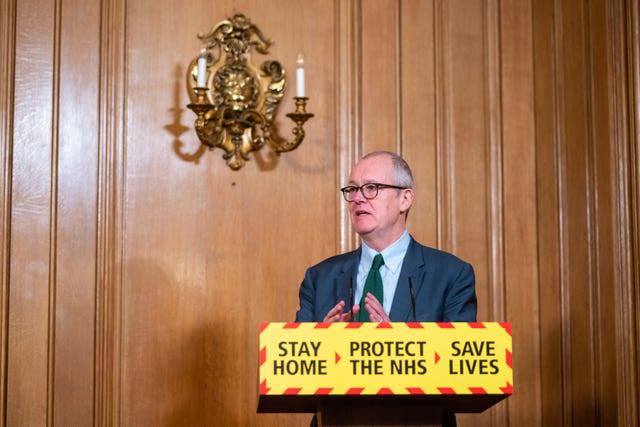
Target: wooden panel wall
(136, 266)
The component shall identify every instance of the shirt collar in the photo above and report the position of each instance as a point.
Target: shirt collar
(392, 254)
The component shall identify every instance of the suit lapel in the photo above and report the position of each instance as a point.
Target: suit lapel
(413, 266)
(345, 284)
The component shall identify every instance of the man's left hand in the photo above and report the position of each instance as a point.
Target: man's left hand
(375, 309)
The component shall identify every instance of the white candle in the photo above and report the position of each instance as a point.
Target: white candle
(300, 76)
(202, 70)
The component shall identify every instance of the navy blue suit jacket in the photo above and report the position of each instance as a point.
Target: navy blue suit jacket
(443, 286)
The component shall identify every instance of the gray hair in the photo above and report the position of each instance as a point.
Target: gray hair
(401, 170)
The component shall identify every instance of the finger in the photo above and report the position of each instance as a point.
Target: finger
(331, 317)
(372, 300)
(373, 304)
(355, 309)
(352, 314)
(337, 309)
(334, 314)
(373, 313)
(375, 310)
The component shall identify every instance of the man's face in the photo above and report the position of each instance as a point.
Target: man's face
(381, 220)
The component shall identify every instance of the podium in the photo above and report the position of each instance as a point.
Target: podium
(391, 374)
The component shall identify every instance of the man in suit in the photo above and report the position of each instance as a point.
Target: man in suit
(409, 281)
(412, 282)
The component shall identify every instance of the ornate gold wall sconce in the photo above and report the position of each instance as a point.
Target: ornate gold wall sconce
(234, 100)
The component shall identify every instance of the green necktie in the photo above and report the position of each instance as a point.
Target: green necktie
(372, 285)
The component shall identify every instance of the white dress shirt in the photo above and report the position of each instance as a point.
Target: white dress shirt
(393, 256)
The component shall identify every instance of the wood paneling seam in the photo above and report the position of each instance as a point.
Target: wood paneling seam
(53, 217)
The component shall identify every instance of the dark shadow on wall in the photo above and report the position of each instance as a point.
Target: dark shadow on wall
(176, 128)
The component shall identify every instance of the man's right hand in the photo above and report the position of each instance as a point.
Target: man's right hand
(336, 314)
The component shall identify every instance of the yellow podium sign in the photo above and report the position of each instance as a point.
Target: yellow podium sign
(385, 358)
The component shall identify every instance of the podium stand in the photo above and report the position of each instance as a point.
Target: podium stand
(360, 413)
(388, 374)
(388, 411)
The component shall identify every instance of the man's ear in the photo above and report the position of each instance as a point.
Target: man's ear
(407, 199)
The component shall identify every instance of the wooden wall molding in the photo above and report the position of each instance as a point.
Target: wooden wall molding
(562, 214)
(632, 406)
(514, 190)
(633, 40)
(494, 180)
(495, 187)
(624, 60)
(442, 132)
(110, 220)
(32, 283)
(7, 66)
(547, 194)
(349, 107)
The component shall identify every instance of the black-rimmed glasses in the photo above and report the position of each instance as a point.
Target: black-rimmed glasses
(369, 190)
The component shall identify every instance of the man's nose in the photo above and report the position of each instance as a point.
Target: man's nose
(358, 197)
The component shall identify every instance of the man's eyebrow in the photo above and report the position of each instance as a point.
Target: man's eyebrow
(364, 181)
